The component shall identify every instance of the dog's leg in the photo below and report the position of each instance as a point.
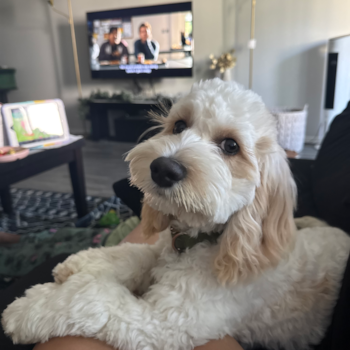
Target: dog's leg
(129, 264)
(104, 309)
(309, 221)
(52, 309)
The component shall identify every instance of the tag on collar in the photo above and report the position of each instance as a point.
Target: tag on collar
(182, 241)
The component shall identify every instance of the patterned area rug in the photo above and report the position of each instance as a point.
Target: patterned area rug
(36, 211)
(47, 225)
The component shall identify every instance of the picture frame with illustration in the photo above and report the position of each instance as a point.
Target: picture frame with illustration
(35, 123)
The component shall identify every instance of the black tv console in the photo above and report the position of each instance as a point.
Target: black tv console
(128, 124)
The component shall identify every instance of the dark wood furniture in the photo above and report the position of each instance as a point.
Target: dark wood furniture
(130, 123)
(7, 83)
(41, 161)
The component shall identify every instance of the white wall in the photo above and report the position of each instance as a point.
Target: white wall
(290, 57)
(288, 64)
(26, 44)
(37, 42)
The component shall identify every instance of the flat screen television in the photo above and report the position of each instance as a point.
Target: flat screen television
(152, 41)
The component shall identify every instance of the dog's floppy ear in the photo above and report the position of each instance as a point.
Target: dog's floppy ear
(257, 236)
(153, 221)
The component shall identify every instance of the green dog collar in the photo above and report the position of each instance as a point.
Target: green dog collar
(182, 241)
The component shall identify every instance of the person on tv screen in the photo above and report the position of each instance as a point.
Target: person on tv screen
(114, 49)
(145, 45)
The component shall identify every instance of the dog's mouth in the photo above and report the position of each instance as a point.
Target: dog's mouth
(168, 195)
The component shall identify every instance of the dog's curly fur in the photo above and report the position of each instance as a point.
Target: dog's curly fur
(263, 283)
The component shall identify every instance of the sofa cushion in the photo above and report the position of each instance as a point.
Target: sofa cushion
(331, 174)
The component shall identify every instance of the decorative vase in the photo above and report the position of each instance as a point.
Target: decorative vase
(225, 76)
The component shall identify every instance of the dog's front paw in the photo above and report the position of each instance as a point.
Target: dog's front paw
(21, 324)
(61, 273)
(11, 323)
(68, 268)
(51, 310)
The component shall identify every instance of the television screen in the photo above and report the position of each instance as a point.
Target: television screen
(153, 41)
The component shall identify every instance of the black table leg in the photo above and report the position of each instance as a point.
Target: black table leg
(76, 170)
(6, 200)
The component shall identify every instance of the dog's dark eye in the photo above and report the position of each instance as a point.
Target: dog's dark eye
(179, 127)
(229, 146)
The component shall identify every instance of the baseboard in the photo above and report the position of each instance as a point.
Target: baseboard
(312, 140)
(76, 131)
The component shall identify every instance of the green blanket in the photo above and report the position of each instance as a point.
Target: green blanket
(33, 249)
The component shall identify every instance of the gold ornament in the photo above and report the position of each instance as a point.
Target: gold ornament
(225, 61)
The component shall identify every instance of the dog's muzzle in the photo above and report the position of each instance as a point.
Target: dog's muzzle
(165, 172)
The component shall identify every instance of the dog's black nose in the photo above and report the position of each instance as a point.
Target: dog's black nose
(166, 172)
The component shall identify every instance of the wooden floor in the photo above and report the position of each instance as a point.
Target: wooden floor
(309, 152)
(104, 164)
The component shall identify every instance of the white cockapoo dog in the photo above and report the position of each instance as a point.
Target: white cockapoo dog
(229, 259)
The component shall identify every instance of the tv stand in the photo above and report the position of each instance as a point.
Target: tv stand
(127, 126)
